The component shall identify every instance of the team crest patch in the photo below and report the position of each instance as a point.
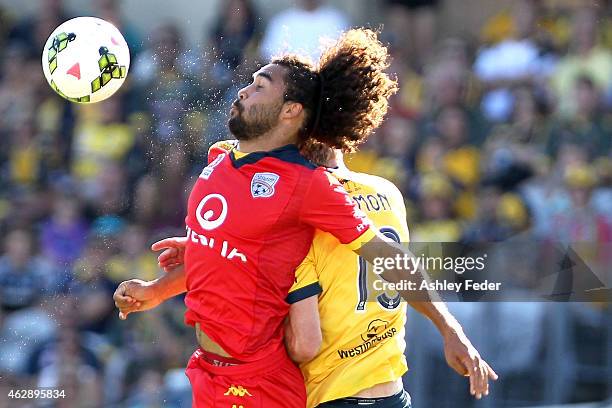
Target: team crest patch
(262, 184)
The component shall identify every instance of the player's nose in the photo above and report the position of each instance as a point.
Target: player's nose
(242, 94)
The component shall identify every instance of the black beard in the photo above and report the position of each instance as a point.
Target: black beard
(263, 120)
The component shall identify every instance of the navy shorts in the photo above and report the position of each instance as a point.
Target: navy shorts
(399, 400)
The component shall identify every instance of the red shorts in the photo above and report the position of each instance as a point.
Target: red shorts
(272, 382)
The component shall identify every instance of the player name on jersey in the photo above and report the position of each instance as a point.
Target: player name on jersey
(371, 202)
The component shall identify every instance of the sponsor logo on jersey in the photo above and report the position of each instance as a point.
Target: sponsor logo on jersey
(262, 184)
(238, 391)
(224, 248)
(207, 216)
(376, 334)
(375, 328)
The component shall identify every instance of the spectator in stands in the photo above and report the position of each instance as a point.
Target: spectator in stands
(91, 287)
(586, 56)
(461, 159)
(579, 223)
(447, 84)
(147, 390)
(69, 363)
(233, 32)
(412, 25)
(602, 196)
(108, 194)
(436, 195)
(24, 276)
(299, 29)
(487, 228)
(109, 10)
(17, 89)
(589, 125)
(399, 142)
(135, 259)
(166, 81)
(101, 136)
(33, 30)
(63, 235)
(24, 156)
(515, 61)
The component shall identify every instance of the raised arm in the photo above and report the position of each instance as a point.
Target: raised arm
(136, 295)
(459, 352)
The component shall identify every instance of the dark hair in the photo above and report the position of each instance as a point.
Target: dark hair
(346, 97)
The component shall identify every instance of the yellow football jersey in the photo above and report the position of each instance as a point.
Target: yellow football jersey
(363, 329)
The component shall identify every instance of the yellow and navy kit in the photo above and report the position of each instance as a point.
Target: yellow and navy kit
(363, 329)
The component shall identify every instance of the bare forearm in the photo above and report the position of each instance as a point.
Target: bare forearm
(439, 315)
(426, 302)
(393, 260)
(303, 336)
(172, 283)
(291, 344)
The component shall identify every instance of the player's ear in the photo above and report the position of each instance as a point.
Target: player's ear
(291, 110)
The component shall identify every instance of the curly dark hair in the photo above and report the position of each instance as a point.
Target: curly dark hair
(346, 97)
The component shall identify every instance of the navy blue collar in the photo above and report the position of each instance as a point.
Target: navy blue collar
(288, 153)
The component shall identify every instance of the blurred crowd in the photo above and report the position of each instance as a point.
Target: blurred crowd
(496, 135)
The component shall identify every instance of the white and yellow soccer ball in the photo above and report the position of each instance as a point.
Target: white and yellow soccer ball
(86, 59)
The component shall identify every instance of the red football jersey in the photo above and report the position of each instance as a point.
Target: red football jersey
(250, 222)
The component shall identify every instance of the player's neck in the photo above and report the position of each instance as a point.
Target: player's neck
(336, 161)
(266, 142)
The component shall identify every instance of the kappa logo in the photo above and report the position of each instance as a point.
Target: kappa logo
(262, 184)
(238, 391)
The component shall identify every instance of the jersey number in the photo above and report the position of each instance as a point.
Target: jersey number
(362, 280)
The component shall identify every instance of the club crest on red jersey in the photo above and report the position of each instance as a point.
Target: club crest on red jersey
(262, 184)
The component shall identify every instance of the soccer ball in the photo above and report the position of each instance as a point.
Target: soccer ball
(86, 59)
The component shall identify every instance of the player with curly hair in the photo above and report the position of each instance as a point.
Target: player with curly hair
(252, 215)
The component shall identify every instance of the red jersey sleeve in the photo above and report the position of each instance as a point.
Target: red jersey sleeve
(224, 146)
(328, 207)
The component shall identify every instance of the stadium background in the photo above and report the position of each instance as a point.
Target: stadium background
(502, 127)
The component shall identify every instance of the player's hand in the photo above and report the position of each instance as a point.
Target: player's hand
(135, 295)
(464, 359)
(173, 254)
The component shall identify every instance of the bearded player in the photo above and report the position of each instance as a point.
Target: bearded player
(252, 215)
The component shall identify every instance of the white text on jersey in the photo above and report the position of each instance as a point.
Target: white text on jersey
(226, 250)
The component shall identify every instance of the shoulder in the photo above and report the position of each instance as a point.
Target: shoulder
(380, 184)
(320, 176)
(224, 146)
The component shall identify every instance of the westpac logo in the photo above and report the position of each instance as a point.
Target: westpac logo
(262, 184)
(206, 213)
(238, 391)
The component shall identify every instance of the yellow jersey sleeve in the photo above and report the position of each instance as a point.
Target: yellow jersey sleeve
(306, 280)
(363, 239)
